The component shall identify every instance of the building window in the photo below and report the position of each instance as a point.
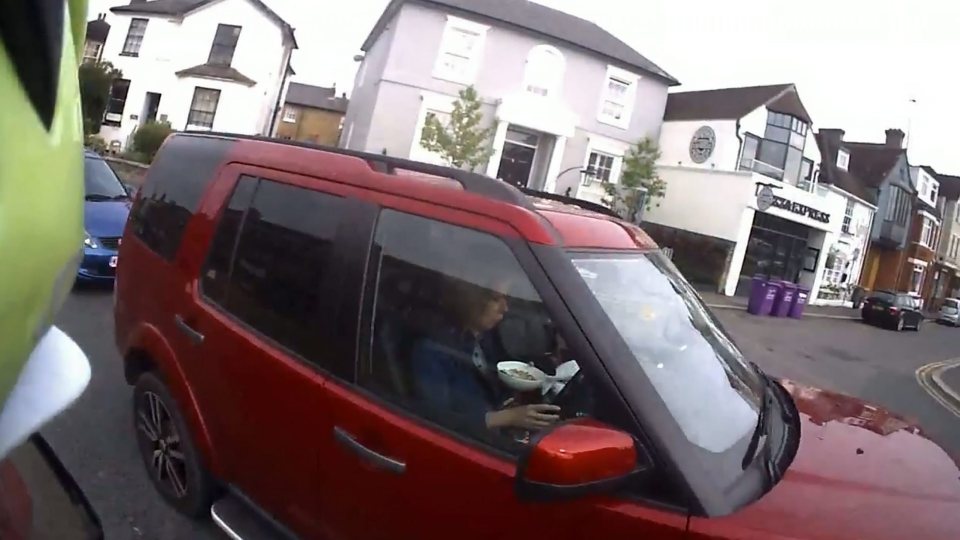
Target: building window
(203, 108)
(898, 206)
(750, 145)
(118, 100)
(289, 115)
(848, 217)
(616, 106)
(781, 150)
(224, 45)
(927, 231)
(460, 51)
(602, 165)
(544, 71)
(131, 46)
(916, 279)
(806, 175)
(91, 51)
(843, 159)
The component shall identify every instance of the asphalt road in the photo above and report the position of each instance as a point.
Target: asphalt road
(95, 439)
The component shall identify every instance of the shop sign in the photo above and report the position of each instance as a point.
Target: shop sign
(766, 200)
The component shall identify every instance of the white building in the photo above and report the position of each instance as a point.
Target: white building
(560, 93)
(740, 166)
(199, 64)
(845, 256)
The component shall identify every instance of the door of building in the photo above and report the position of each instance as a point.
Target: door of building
(776, 248)
(150, 106)
(519, 152)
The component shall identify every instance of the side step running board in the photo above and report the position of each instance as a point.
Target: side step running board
(236, 517)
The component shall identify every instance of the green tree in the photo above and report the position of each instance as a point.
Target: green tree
(148, 138)
(95, 81)
(462, 143)
(639, 171)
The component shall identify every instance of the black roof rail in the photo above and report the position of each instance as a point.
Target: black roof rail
(572, 201)
(471, 181)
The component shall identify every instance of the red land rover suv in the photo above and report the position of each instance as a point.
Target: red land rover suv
(329, 344)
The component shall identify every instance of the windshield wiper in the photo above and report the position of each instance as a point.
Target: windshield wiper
(120, 197)
(97, 197)
(754, 449)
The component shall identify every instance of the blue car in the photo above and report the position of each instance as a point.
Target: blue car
(106, 206)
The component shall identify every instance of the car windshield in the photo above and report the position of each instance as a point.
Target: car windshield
(700, 374)
(100, 182)
(950, 303)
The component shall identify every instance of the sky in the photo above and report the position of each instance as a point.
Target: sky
(863, 66)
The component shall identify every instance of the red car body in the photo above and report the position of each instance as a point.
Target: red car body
(278, 431)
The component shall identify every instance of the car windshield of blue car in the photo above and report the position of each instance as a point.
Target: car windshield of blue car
(100, 182)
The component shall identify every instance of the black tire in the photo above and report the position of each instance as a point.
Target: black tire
(171, 455)
(917, 327)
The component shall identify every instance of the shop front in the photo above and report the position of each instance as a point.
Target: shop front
(784, 233)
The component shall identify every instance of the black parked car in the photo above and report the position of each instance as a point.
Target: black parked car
(892, 310)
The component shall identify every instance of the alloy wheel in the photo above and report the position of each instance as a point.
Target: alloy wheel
(161, 445)
(900, 324)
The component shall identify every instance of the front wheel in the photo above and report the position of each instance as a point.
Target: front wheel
(167, 450)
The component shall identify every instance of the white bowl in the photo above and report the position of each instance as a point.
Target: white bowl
(517, 383)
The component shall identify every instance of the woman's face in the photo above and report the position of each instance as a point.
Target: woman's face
(491, 313)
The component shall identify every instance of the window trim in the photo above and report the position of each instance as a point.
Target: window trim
(128, 49)
(843, 159)
(290, 115)
(630, 80)
(191, 110)
(555, 87)
(110, 99)
(457, 24)
(610, 147)
(233, 48)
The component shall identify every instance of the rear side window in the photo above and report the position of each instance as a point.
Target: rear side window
(279, 260)
(950, 302)
(884, 297)
(174, 187)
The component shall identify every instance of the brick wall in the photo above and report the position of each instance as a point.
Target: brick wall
(312, 125)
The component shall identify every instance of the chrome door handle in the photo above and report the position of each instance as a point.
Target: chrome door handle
(195, 337)
(381, 461)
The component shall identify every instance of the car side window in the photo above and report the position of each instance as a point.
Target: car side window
(449, 305)
(216, 271)
(282, 254)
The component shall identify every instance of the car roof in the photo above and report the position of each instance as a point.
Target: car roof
(539, 217)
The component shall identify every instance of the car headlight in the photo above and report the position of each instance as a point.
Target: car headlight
(89, 241)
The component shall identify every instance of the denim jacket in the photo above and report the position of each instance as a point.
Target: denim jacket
(450, 386)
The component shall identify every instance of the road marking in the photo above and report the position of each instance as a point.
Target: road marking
(929, 377)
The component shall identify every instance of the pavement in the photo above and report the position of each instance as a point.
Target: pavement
(95, 440)
(719, 301)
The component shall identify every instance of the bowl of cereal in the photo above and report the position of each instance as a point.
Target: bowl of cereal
(521, 377)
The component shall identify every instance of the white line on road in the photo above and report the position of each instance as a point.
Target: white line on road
(929, 377)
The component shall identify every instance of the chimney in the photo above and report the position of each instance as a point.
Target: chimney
(344, 95)
(832, 136)
(894, 138)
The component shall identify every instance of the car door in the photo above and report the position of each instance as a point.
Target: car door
(910, 310)
(399, 471)
(259, 323)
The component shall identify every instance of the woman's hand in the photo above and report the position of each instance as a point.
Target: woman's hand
(534, 416)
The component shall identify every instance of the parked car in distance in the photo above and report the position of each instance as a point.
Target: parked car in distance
(950, 312)
(105, 211)
(312, 336)
(892, 310)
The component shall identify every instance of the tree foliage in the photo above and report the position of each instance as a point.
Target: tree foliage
(462, 142)
(148, 138)
(639, 171)
(95, 81)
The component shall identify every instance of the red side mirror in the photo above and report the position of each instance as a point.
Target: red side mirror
(578, 458)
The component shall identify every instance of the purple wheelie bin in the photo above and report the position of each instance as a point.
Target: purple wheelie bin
(763, 293)
(784, 301)
(799, 302)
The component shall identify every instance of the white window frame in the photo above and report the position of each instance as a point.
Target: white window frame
(132, 43)
(539, 74)
(843, 159)
(97, 48)
(926, 229)
(429, 102)
(630, 80)
(917, 269)
(611, 147)
(447, 46)
(289, 115)
(847, 225)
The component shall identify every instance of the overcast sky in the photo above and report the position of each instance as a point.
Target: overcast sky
(856, 63)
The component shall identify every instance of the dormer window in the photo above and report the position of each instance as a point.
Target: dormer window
(843, 159)
(224, 45)
(544, 71)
